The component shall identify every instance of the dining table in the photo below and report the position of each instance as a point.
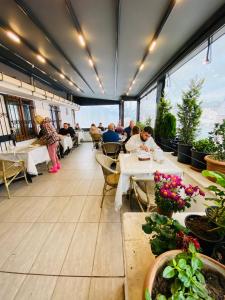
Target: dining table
(66, 142)
(130, 165)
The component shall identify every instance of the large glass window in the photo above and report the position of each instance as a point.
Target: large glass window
(148, 108)
(213, 92)
(130, 111)
(104, 114)
(54, 112)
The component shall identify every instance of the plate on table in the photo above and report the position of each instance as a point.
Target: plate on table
(142, 156)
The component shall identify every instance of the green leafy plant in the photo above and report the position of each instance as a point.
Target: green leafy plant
(217, 136)
(217, 214)
(142, 125)
(168, 126)
(189, 112)
(204, 145)
(163, 108)
(166, 234)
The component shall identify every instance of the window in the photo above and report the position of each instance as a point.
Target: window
(148, 108)
(130, 112)
(21, 117)
(54, 112)
(95, 114)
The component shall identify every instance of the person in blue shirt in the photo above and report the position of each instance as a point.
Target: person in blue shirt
(128, 130)
(110, 136)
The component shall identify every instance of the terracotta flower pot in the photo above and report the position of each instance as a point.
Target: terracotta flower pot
(162, 259)
(164, 213)
(215, 165)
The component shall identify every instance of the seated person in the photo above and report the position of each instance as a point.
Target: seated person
(101, 127)
(135, 130)
(94, 129)
(110, 135)
(77, 126)
(64, 130)
(142, 141)
(71, 131)
(119, 129)
(128, 130)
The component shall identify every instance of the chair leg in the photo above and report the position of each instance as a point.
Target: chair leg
(7, 187)
(103, 196)
(25, 176)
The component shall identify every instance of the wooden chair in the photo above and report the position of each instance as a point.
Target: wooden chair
(111, 176)
(111, 149)
(144, 193)
(9, 170)
(96, 139)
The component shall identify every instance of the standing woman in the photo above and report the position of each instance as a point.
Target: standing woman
(50, 139)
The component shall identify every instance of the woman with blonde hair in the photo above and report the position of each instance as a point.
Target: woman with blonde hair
(50, 138)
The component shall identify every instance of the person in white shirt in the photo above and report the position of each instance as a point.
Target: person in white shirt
(142, 141)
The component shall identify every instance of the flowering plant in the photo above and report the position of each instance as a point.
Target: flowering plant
(171, 194)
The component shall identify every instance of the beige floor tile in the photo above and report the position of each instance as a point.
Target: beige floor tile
(4, 227)
(72, 288)
(53, 252)
(9, 285)
(81, 187)
(108, 213)
(24, 255)
(107, 289)
(109, 253)
(91, 211)
(37, 288)
(80, 257)
(72, 210)
(8, 204)
(10, 239)
(96, 187)
(54, 209)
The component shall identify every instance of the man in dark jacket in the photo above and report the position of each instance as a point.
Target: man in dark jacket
(110, 135)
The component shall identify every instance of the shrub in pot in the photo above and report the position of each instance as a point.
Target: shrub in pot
(167, 131)
(198, 152)
(216, 161)
(189, 113)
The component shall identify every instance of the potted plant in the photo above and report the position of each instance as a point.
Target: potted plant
(187, 275)
(171, 195)
(198, 152)
(167, 131)
(216, 161)
(166, 234)
(189, 113)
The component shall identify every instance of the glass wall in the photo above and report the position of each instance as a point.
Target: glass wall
(213, 92)
(148, 108)
(96, 114)
(130, 112)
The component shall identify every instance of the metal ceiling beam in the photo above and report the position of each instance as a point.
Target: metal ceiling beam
(83, 101)
(76, 23)
(216, 21)
(23, 6)
(159, 28)
(118, 10)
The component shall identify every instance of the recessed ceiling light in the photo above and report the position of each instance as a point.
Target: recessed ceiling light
(62, 75)
(78, 89)
(13, 36)
(91, 62)
(133, 82)
(97, 78)
(81, 40)
(70, 82)
(41, 58)
(127, 93)
(152, 46)
(141, 66)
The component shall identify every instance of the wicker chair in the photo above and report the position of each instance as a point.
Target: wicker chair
(144, 193)
(111, 149)
(96, 139)
(111, 176)
(9, 171)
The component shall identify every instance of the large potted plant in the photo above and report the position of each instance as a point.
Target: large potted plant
(198, 152)
(167, 131)
(216, 161)
(171, 195)
(189, 113)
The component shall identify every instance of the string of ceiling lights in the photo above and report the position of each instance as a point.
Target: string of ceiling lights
(83, 42)
(19, 39)
(153, 43)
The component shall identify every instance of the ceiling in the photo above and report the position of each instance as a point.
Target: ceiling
(117, 35)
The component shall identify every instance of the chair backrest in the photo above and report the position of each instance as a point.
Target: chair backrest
(96, 137)
(111, 149)
(145, 188)
(105, 162)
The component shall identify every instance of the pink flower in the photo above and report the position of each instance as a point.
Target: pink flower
(201, 193)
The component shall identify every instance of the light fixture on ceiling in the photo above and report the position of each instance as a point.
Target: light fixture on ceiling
(152, 46)
(70, 82)
(141, 67)
(13, 36)
(91, 62)
(81, 40)
(133, 82)
(208, 52)
(97, 78)
(127, 93)
(41, 58)
(62, 75)
(78, 89)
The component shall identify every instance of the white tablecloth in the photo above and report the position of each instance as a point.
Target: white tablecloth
(31, 155)
(66, 142)
(131, 166)
(80, 135)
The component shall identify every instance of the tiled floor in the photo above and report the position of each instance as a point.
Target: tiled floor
(56, 242)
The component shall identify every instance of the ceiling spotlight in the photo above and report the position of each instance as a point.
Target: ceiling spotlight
(70, 82)
(127, 93)
(13, 36)
(78, 89)
(103, 92)
(91, 62)
(62, 75)
(41, 58)
(152, 46)
(97, 78)
(81, 40)
(141, 66)
(133, 82)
